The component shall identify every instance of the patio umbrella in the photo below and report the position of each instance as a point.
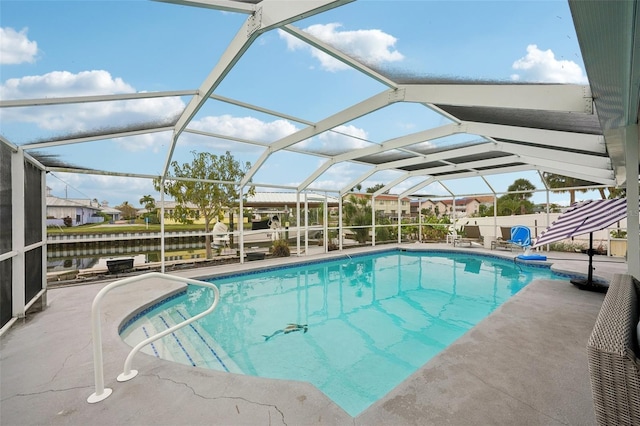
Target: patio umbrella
(582, 218)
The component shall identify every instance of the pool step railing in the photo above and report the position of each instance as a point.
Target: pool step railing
(175, 347)
(101, 392)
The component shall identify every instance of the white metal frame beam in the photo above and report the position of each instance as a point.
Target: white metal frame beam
(267, 15)
(338, 55)
(586, 175)
(222, 5)
(367, 106)
(548, 97)
(581, 166)
(18, 295)
(442, 156)
(550, 138)
(391, 144)
(571, 158)
(574, 98)
(584, 172)
(440, 179)
(95, 98)
(71, 141)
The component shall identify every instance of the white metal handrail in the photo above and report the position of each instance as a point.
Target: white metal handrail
(101, 392)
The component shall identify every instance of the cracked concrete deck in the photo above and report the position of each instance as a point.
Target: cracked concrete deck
(524, 364)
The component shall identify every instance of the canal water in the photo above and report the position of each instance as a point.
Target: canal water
(94, 256)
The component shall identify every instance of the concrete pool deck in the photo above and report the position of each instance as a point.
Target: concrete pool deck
(524, 364)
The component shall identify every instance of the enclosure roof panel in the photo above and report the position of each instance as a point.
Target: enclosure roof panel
(464, 126)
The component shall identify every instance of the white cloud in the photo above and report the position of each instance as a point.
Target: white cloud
(344, 138)
(338, 176)
(249, 128)
(114, 189)
(542, 66)
(155, 142)
(64, 84)
(82, 117)
(373, 47)
(16, 48)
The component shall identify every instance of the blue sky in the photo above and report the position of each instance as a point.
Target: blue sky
(60, 48)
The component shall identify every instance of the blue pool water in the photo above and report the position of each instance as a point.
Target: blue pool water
(370, 320)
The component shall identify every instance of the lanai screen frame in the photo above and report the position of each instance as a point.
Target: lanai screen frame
(534, 124)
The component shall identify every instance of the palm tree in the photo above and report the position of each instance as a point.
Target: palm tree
(148, 202)
(517, 199)
(357, 212)
(558, 182)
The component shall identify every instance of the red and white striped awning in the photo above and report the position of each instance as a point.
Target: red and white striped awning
(582, 218)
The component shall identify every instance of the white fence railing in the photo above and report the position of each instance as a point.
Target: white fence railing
(117, 236)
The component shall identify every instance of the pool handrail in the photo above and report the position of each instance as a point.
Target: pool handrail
(101, 392)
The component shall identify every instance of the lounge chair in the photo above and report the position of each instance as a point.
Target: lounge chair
(470, 235)
(504, 241)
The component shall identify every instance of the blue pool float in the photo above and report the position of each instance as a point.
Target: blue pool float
(532, 257)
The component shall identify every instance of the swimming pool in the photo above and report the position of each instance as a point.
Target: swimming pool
(354, 327)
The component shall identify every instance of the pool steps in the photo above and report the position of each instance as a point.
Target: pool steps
(191, 345)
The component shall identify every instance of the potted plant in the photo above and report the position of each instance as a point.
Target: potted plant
(280, 248)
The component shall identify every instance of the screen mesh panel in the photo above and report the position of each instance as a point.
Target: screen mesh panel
(5, 292)
(5, 200)
(33, 273)
(32, 204)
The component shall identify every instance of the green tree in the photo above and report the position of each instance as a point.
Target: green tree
(210, 199)
(376, 187)
(558, 182)
(510, 206)
(357, 213)
(128, 211)
(149, 203)
(617, 193)
(515, 202)
(483, 210)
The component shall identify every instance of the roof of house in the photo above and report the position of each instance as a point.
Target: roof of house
(68, 202)
(281, 199)
(379, 196)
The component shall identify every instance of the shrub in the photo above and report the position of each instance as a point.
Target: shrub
(570, 247)
(68, 222)
(280, 248)
(383, 234)
(618, 233)
(435, 233)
